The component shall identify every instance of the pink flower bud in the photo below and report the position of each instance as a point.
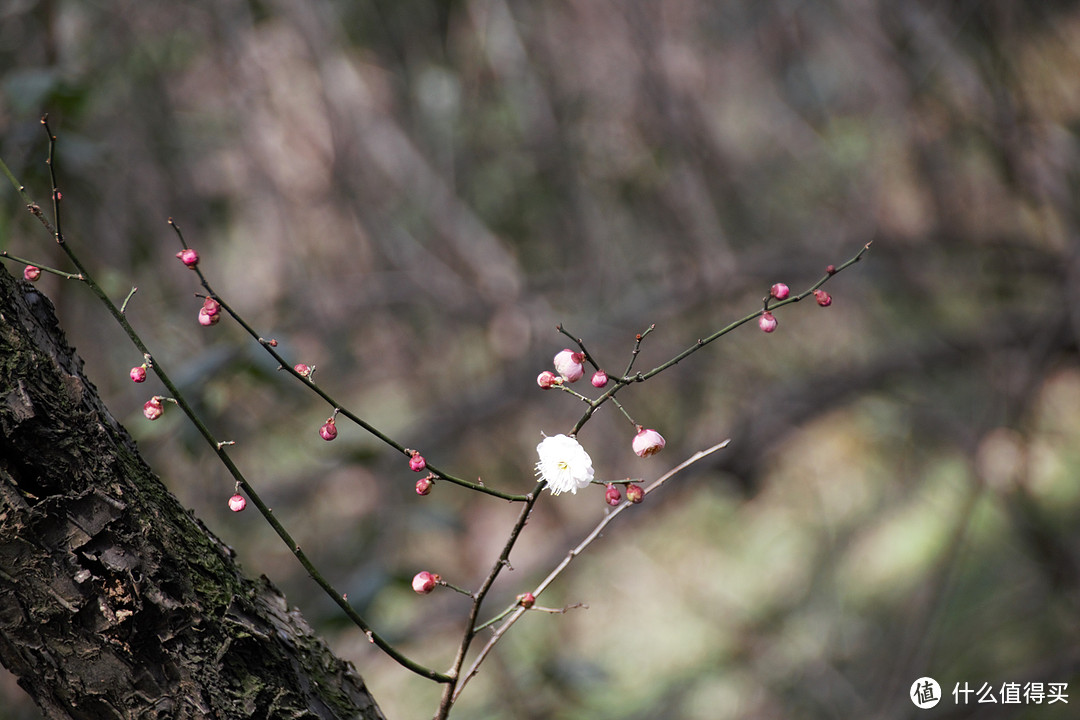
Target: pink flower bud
(824, 299)
(526, 600)
(329, 430)
(767, 322)
(210, 314)
(634, 493)
(272, 342)
(547, 379)
(153, 409)
(424, 582)
(648, 442)
(302, 370)
(599, 379)
(31, 273)
(569, 364)
(417, 462)
(830, 270)
(189, 257)
(423, 485)
(237, 503)
(138, 374)
(779, 291)
(612, 496)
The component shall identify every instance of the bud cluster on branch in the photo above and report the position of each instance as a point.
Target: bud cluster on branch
(563, 465)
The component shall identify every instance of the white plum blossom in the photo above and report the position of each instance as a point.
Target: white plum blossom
(564, 464)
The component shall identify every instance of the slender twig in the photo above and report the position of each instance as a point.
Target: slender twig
(131, 294)
(641, 377)
(580, 343)
(329, 399)
(516, 613)
(449, 695)
(637, 349)
(628, 378)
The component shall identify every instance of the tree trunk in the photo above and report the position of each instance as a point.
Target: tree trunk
(114, 601)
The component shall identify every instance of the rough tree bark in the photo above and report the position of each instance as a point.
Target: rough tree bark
(114, 601)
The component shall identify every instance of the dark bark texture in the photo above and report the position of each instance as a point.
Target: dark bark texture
(114, 601)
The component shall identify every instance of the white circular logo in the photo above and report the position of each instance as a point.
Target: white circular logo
(925, 693)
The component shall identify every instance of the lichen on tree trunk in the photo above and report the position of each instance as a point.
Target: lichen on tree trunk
(115, 602)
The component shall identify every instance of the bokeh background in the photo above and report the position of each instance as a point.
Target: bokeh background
(411, 194)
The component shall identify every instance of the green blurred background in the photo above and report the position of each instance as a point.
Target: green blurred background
(411, 195)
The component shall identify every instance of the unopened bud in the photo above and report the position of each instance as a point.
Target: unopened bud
(569, 364)
(329, 430)
(648, 442)
(612, 496)
(424, 582)
(823, 298)
(634, 493)
(31, 273)
(599, 379)
(302, 370)
(526, 600)
(547, 379)
(153, 408)
(417, 462)
(138, 374)
(237, 503)
(210, 313)
(830, 270)
(767, 322)
(779, 291)
(189, 257)
(423, 485)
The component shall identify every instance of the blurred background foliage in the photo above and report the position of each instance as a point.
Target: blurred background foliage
(410, 195)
